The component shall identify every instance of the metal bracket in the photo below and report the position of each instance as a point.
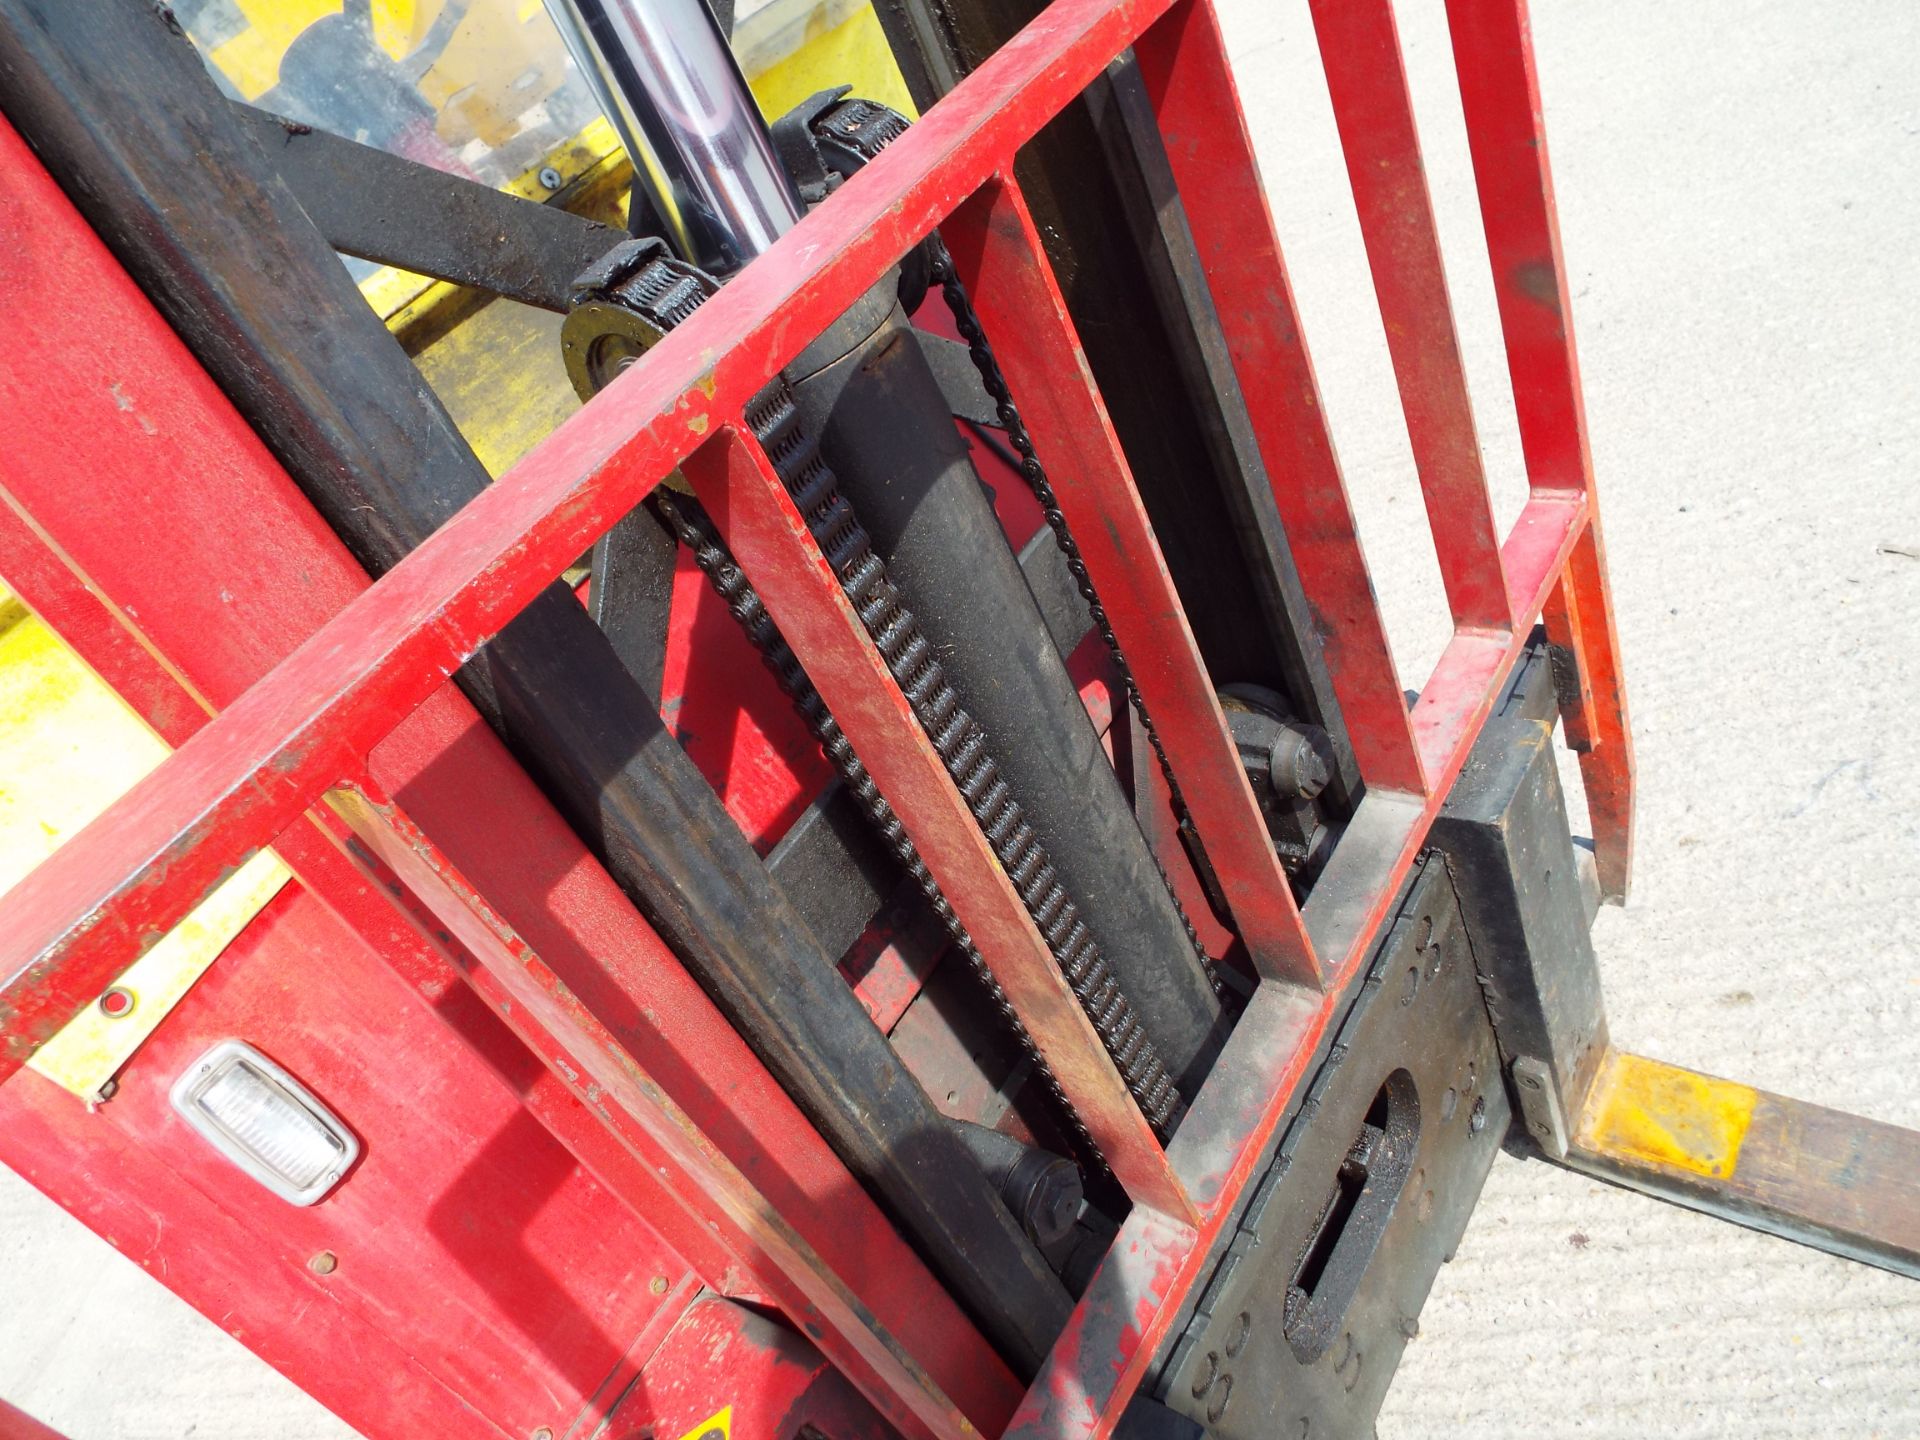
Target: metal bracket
(1316, 1293)
(394, 211)
(1514, 863)
(1540, 1105)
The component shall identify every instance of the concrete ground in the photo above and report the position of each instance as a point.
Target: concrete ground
(1739, 185)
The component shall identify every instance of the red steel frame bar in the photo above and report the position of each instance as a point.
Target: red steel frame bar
(1184, 64)
(998, 253)
(256, 768)
(1360, 52)
(769, 538)
(1500, 93)
(206, 577)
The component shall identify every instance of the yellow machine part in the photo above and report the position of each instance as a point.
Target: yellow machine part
(69, 748)
(1660, 1115)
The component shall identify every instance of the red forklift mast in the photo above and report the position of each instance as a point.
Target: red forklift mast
(882, 879)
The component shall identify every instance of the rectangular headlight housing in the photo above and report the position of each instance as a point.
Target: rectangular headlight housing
(265, 1121)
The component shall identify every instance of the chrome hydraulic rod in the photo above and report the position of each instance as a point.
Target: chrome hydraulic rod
(702, 156)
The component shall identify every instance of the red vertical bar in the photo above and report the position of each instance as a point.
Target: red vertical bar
(1493, 55)
(769, 539)
(1184, 63)
(1580, 618)
(1360, 51)
(997, 252)
(1500, 94)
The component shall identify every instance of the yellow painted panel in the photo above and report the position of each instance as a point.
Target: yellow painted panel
(1642, 1111)
(94, 1045)
(854, 52)
(70, 747)
(251, 58)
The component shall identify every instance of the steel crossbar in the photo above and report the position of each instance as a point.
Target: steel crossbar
(304, 731)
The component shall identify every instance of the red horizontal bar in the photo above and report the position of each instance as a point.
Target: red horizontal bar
(75, 922)
(769, 540)
(1183, 61)
(1455, 700)
(1367, 79)
(997, 251)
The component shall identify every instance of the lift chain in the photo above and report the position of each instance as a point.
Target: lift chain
(959, 739)
(864, 128)
(962, 745)
(690, 523)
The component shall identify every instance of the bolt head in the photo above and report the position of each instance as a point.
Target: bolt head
(551, 178)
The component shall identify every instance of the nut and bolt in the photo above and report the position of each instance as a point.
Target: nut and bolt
(658, 1285)
(325, 1263)
(1300, 762)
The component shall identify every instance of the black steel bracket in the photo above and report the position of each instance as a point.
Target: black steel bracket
(394, 211)
(1319, 1289)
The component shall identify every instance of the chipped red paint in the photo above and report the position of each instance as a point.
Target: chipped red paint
(368, 685)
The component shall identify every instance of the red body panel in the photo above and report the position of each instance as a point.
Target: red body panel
(193, 570)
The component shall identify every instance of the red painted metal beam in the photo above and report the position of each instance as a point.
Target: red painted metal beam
(1367, 79)
(297, 731)
(285, 742)
(1579, 617)
(1500, 94)
(619, 1091)
(1184, 63)
(182, 595)
(16, 1424)
(770, 541)
(998, 253)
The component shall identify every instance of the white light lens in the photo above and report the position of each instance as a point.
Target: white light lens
(265, 1121)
